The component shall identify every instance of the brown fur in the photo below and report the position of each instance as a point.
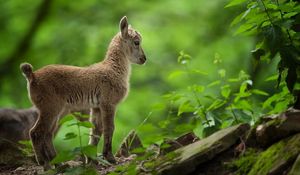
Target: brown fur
(58, 89)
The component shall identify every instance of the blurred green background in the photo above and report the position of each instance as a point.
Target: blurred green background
(78, 33)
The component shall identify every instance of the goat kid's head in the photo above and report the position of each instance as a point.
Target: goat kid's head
(132, 43)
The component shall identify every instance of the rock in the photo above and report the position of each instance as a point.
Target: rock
(187, 139)
(131, 142)
(282, 126)
(296, 167)
(278, 157)
(11, 154)
(169, 145)
(189, 157)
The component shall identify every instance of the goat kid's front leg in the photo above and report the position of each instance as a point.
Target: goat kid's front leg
(41, 136)
(96, 132)
(107, 114)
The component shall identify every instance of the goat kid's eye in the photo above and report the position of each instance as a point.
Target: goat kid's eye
(136, 43)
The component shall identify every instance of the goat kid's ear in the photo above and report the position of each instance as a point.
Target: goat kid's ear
(124, 27)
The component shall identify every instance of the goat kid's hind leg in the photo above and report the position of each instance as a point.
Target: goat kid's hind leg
(96, 132)
(108, 113)
(41, 136)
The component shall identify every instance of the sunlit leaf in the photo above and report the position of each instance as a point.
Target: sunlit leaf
(272, 78)
(259, 92)
(225, 91)
(184, 58)
(214, 83)
(272, 6)
(176, 74)
(86, 124)
(216, 104)
(66, 119)
(235, 2)
(222, 73)
(185, 107)
(244, 27)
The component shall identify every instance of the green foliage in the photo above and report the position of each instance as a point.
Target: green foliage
(88, 151)
(199, 105)
(274, 23)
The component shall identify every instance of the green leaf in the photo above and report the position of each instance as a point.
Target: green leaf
(184, 58)
(259, 92)
(244, 27)
(186, 106)
(63, 156)
(281, 106)
(216, 104)
(225, 91)
(196, 71)
(66, 119)
(289, 15)
(70, 135)
(183, 128)
(176, 74)
(197, 88)
(148, 128)
(86, 124)
(222, 73)
(234, 3)
(214, 83)
(90, 151)
(244, 86)
(272, 78)
(272, 6)
(237, 19)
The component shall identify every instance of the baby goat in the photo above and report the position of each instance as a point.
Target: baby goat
(56, 90)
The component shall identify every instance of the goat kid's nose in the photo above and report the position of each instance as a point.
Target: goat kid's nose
(143, 59)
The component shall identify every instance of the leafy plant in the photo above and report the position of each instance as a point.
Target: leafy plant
(82, 151)
(275, 23)
(234, 103)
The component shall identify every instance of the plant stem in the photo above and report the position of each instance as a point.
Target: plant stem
(79, 137)
(234, 116)
(195, 94)
(266, 10)
(287, 30)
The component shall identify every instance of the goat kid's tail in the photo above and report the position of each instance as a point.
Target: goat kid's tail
(26, 68)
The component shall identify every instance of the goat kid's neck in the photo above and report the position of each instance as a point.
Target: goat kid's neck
(116, 58)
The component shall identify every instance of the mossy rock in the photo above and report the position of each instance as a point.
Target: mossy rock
(296, 167)
(278, 157)
(191, 156)
(244, 163)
